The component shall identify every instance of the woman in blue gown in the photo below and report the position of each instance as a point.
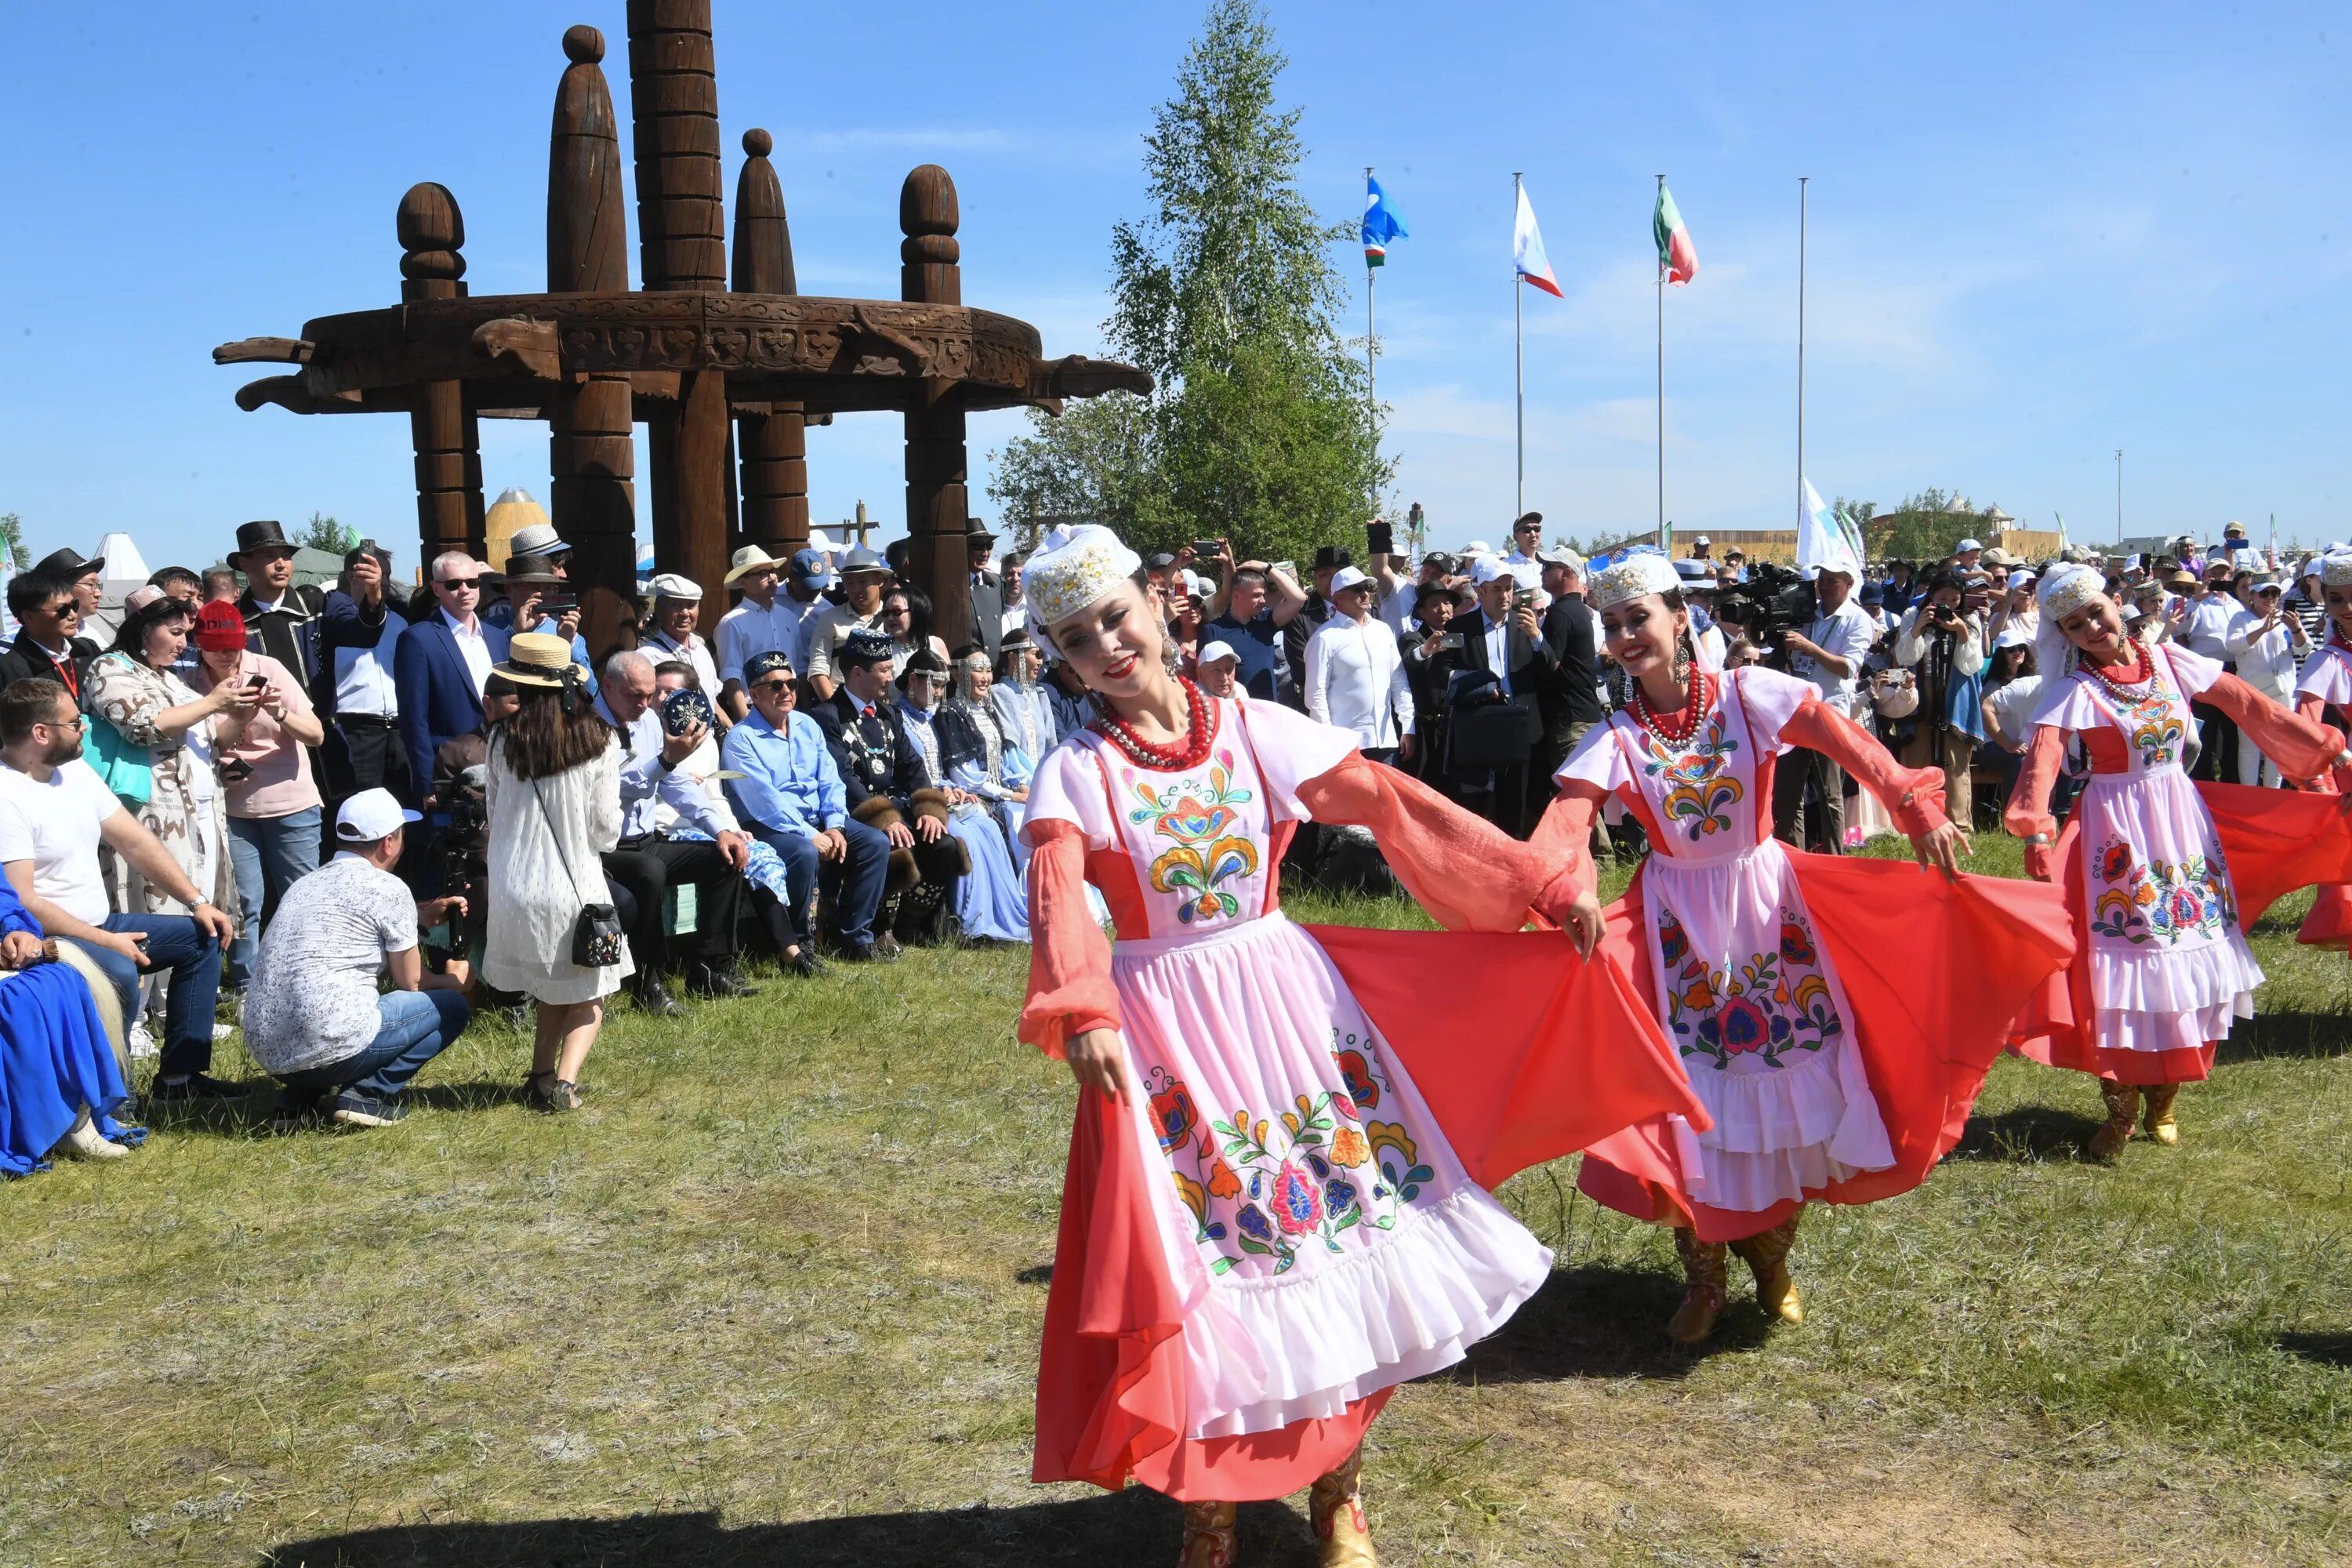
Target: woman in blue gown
(991, 902)
(55, 1058)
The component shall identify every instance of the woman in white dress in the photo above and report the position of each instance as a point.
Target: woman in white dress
(555, 810)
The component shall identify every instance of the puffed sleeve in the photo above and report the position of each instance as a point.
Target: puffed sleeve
(2028, 813)
(1465, 872)
(1914, 797)
(1070, 988)
(1561, 838)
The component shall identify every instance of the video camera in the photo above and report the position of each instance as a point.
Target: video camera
(1774, 600)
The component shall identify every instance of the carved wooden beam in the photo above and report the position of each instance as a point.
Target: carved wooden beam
(518, 342)
(266, 351)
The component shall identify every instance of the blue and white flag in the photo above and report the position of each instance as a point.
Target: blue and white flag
(1826, 540)
(1381, 223)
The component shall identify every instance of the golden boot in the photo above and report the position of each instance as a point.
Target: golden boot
(1335, 1504)
(1767, 1255)
(1703, 1267)
(2160, 1125)
(1208, 1536)
(2122, 1110)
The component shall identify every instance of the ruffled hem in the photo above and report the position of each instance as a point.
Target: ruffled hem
(1780, 1135)
(1262, 1353)
(2173, 981)
(2148, 1034)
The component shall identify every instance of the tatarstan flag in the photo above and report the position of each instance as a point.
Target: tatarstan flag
(1677, 258)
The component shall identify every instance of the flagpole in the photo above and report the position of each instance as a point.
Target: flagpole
(1519, 361)
(1663, 542)
(1800, 345)
(1372, 343)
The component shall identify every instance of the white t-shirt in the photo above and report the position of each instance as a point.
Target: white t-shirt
(55, 825)
(313, 998)
(2013, 707)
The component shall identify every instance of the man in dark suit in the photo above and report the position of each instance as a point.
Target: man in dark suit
(441, 665)
(1570, 696)
(1329, 559)
(49, 645)
(278, 615)
(887, 789)
(1503, 638)
(987, 592)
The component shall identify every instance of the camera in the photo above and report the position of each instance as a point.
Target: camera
(1773, 601)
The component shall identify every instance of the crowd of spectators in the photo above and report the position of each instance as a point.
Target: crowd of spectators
(824, 775)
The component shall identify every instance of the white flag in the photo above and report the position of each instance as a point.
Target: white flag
(1822, 540)
(1528, 251)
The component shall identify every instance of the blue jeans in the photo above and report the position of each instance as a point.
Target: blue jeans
(270, 854)
(176, 943)
(417, 1026)
(855, 880)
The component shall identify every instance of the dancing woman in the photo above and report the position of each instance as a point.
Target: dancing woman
(2160, 874)
(1276, 1205)
(2324, 688)
(1837, 1065)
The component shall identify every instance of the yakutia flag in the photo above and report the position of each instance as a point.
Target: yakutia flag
(1677, 258)
(1381, 223)
(1527, 252)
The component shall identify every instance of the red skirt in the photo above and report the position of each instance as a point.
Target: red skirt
(2275, 841)
(1550, 1055)
(1931, 1012)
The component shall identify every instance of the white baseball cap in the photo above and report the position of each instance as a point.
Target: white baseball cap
(1487, 568)
(1217, 651)
(2021, 579)
(371, 815)
(1477, 547)
(1703, 539)
(1346, 577)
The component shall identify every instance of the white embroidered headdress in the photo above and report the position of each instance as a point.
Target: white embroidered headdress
(1630, 579)
(2064, 591)
(2336, 569)
(1071, 571)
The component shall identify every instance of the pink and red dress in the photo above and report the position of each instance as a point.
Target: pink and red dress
(1835, 1017)
(1291, 1216)
(2161, 875)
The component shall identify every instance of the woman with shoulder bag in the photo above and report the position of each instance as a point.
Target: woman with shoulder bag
(554, 798)
(167, 728)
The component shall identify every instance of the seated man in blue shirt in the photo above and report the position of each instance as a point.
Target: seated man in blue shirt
(791, 798)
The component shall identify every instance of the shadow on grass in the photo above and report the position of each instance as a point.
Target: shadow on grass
(2283, 1035)
(2028, 1133)
(2327, 1350)
(1606, 1320)
(1134, 1526)
(254, 1114)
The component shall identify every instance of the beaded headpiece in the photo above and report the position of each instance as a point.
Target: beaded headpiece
(2336, 569)
(2067, 589)
(1630, 579)
(1068, 574)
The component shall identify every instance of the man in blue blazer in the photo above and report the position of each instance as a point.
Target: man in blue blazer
(441, 665)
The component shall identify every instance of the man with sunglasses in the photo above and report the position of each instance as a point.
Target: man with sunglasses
(54, 814)
(442, 664)
(791, 798)
(48, 646)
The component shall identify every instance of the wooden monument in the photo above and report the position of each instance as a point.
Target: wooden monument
(726, 369)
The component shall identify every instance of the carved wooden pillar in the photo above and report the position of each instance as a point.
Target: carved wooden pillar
(937, 521)
(592, 452)
(775, 445)
(446, 433)
(682, 245)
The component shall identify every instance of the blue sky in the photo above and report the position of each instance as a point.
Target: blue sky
(2038, 233)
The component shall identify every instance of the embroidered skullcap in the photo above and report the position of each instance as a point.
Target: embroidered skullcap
(2336, 569)
(1071, 571)
(1630, 578)
(865, 645)
(2066, 589)
(759, 666)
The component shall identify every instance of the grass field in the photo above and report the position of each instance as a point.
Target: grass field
(774, 1298)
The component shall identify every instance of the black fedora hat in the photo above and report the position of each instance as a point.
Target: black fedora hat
(264, 535)
(65, 565)
(978, 532)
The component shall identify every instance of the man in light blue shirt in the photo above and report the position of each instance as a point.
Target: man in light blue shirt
(647, 863)
(792, 798)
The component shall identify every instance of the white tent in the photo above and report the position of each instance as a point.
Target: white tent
(126, 570)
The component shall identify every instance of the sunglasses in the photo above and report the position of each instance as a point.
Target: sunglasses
(456, 581)
(782, 684)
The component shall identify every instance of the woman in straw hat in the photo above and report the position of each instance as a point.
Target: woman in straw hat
(554, 793)
(1276, 1209)
(2160, 874)
(1836, 1067)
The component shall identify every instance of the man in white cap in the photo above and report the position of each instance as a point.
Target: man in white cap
(1355, 674)
(1829, 653)
(312, 1017)
(1215, 668)
(677, 606)
(2268, 645)
(1702, 549)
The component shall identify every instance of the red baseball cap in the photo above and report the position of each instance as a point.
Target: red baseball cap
(219, 628)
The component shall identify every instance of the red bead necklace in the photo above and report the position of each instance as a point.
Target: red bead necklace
(1172, 756)
(2142, 671)
(1679, 726)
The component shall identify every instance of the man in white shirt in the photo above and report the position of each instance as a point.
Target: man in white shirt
(54, 814)
(1355, 674)
(2205, 629)
(646, 864)
(312, 1017)
(2269, 645)
(677, 606)
(864, 575)
(359, 635)
(781, 601)
(1829, 653)
(1527, 538)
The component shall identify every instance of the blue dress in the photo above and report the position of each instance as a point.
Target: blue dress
(55, 1057)
(990, 901)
